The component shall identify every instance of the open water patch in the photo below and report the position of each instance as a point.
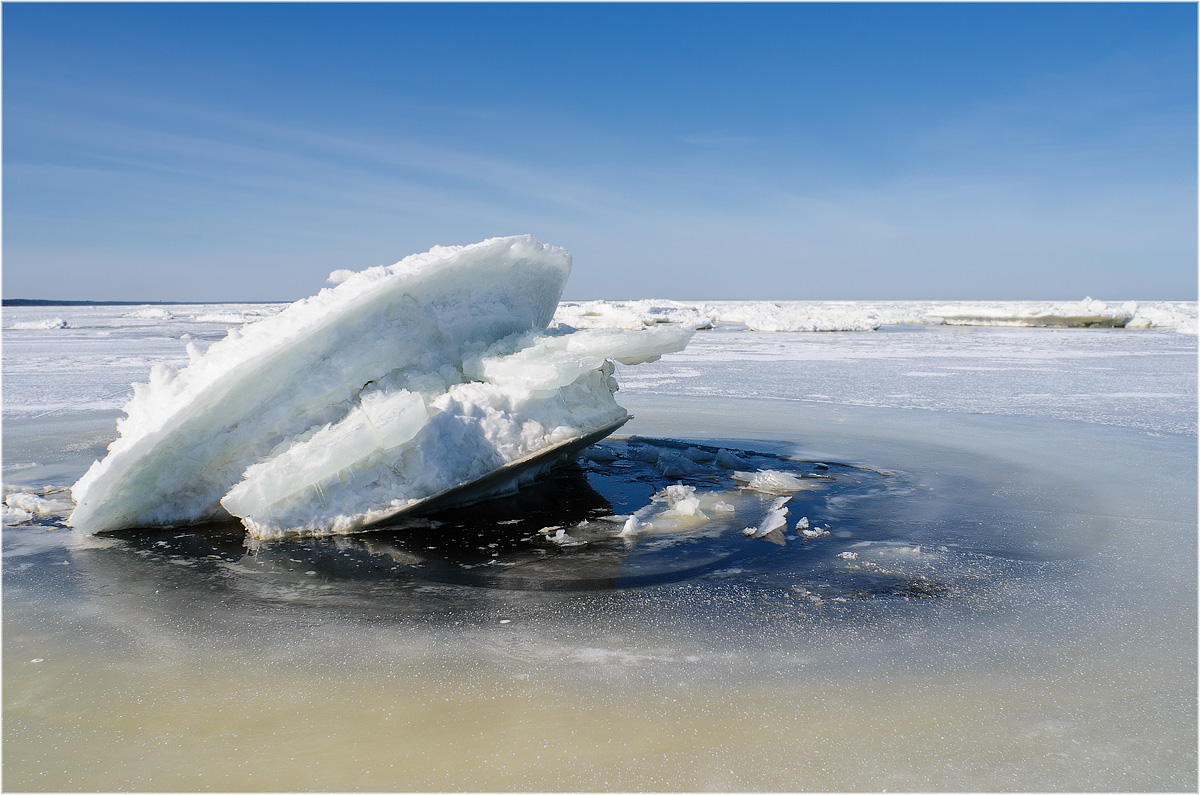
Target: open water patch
(636, 513)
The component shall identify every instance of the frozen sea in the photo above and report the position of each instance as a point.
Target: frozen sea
(998, 590)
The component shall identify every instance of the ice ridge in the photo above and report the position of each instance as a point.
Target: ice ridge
(791, 316)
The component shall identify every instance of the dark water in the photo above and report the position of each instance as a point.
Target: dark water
(873, 534)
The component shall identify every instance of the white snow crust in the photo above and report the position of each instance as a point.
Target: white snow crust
(393, 386)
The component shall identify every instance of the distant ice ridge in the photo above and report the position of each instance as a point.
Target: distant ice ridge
(393, 386)
(48, 324)
(870, 315)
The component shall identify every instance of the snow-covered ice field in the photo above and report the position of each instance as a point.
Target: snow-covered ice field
(996, 590)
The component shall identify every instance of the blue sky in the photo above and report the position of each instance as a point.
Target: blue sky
(241, 152)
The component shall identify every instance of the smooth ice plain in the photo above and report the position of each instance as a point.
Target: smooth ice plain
(988, 582)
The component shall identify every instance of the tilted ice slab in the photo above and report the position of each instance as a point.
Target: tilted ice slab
(395, 386)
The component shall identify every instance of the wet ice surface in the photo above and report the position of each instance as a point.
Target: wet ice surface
(1020, 603)
(563, 534)
(1140, 379)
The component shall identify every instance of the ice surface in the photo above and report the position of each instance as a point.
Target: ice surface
(1141, 378)
(393, 386)
(774, 521)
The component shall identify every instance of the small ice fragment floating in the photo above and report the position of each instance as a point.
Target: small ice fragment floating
(432, 380)
(771, 481)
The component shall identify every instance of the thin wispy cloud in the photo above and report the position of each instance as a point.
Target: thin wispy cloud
(904, 170)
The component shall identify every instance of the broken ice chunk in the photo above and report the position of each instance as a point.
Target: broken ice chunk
(644, 452)
(599, 454)
(561, 538)
(776, 519)
(543, 364)
(15, 516)
(685, 509)
(808, 533)
(672, 464)
(681, 501)
(729, 460)
(33, 504)
(772, 481)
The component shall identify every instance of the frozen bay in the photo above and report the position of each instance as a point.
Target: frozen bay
(1035, 532)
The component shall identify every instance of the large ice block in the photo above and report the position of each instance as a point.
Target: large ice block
(398, 384)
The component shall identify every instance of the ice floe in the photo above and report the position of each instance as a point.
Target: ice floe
(677, 508)
(771, 481)
(772, 523)
(21, 506)
(400, 384)
(683, 507)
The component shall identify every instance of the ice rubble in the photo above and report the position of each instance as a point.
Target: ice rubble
(150, 313)
(686, 509)
(394, 386)
(21, 506)
(775, 519)
(48, 324)
(781, 316)
(682, 507)
(772, 481)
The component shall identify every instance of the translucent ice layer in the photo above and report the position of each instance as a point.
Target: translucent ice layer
(396, 385)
